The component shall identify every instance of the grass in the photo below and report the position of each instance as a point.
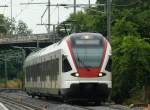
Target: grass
(11, 84)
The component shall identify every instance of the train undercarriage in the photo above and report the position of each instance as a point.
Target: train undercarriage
(85, 92)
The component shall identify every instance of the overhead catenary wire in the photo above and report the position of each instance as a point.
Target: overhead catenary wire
(58, 12)
(4, 8)
(53, 11)
(22, 10)
(34, 28)
(58, 20)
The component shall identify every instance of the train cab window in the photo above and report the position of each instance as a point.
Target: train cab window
(109, 64)
(65, 64)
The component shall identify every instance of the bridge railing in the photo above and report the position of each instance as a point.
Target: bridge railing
(30, 38)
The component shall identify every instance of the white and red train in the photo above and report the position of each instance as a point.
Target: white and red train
(77, 67)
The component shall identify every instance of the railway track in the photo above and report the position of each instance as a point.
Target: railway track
(18, 100)
(20, 103)
(13, 104)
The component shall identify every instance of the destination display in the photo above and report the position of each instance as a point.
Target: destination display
(87, 42)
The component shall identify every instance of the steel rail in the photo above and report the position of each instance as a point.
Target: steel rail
(119, 107)
(13, 105)
(20, 102)
(63, 105)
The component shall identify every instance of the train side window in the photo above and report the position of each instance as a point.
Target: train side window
(109, 64)
(65, 64)
(50, 68)
(27, 74)
(57, 67)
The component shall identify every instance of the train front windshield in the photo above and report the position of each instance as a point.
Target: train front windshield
(87, 50)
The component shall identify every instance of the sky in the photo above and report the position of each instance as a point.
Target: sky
(31, 14)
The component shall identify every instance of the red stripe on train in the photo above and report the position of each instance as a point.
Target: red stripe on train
(87, 72)
(70, 49)
(104, 53)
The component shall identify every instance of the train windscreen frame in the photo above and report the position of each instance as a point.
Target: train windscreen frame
(88, 50)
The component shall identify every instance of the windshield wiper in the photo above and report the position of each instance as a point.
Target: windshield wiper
(79, 60)
(83, 64)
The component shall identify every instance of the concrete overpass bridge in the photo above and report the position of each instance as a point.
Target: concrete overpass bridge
(35, 40)
(28, 43)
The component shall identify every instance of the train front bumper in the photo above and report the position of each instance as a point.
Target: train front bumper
(92, 91)
(67, 84)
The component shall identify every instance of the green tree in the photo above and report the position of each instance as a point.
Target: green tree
(142, 21)
(124, 28)
(4, 24)
(90, 21)
(7, 26)
(131, 63)
(22, 29)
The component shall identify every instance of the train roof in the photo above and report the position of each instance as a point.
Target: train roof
(56, 46)
(44, 51)
(86, 33)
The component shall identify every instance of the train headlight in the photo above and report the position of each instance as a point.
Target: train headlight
(100, 74)
(77, 74)
(86, 37)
